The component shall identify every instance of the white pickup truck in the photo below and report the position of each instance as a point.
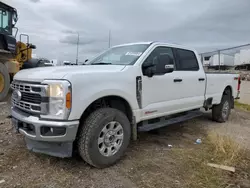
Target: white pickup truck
(99, 107)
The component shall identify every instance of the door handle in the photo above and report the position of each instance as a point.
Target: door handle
(201, 79)
(177, 80)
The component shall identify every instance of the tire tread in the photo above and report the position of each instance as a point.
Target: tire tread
(87, 130)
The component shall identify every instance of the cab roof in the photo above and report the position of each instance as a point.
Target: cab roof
(173, 45)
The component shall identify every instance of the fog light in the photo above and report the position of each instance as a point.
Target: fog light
(53, 131)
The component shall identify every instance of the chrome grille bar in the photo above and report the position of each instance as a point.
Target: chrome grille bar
(31, 97)
(30, 88)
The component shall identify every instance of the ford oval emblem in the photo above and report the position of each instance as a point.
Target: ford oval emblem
(17, 95)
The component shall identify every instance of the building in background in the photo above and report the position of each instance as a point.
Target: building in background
(237, 58)
(242, 57)
(223, 59)
(205, 60)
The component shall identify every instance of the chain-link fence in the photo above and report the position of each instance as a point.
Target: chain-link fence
(235, 59)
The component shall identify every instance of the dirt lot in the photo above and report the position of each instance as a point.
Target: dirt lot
(149, 162)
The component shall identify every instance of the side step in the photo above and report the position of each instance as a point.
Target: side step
(167, 120)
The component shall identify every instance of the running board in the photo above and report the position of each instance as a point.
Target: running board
(167, 120)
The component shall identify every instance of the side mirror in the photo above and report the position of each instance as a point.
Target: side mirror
(86, 60)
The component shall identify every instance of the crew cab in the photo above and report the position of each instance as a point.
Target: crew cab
(97, 108)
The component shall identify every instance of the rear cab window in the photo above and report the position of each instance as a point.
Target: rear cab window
(186, 60)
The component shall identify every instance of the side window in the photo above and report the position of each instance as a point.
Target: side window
(4, 20)
(161, 50)
(187, 60)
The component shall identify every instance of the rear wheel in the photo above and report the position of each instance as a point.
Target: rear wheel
(104, 137)
(221, 112)
(4, 81)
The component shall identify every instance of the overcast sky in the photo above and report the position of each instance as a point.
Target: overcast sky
(203, 24)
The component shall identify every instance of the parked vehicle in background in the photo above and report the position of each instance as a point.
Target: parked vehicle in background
(128, 88)
(68, 63)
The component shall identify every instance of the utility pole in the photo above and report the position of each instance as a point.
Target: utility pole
(109, 38)
(77, 46)
(219, 59)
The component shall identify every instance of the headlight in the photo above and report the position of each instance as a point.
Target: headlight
(59, 94)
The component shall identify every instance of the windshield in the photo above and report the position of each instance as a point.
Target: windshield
(120, 55)
(5, 22)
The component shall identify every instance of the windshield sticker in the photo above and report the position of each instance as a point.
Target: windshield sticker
(134, 53)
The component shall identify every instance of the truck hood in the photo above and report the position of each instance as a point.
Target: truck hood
(59, 72)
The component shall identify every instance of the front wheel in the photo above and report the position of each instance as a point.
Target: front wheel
(221, 112)
(104, 137)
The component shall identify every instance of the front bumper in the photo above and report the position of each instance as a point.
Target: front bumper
(20, 118)
(54, 145)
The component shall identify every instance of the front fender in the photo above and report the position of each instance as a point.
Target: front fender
(81, 100)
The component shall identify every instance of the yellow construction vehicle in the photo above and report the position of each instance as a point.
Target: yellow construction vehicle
(14, 55)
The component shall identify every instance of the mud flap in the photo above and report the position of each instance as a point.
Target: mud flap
(62, 150)
(232, 102)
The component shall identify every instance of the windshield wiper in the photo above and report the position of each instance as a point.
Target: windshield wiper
(101, 63)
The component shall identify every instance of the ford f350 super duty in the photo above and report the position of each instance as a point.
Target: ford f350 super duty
(97, 108)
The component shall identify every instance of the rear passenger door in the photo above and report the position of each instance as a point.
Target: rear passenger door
(192, 79)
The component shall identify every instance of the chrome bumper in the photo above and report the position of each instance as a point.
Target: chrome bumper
(21, 117)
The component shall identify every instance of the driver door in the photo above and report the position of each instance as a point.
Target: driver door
(160, 93)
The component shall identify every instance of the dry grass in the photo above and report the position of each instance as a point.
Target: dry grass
(224, 149)
(218, 149)
(242, 106)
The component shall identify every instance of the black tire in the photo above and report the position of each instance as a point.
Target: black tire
(89, 133)
(6, 82)
(218, 113)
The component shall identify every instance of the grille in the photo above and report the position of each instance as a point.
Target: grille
(29, 97)
(26, 87)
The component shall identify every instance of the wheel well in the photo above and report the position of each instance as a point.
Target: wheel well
(228, 90)
(109, 101)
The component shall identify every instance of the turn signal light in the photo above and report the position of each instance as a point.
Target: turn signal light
(68, 100)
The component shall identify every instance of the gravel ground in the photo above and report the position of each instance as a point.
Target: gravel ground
(149, 162)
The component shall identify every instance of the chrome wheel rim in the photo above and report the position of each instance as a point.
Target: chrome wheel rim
(225, 109)
(110, 139)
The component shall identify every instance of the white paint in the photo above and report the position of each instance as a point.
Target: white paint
(159, 93)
